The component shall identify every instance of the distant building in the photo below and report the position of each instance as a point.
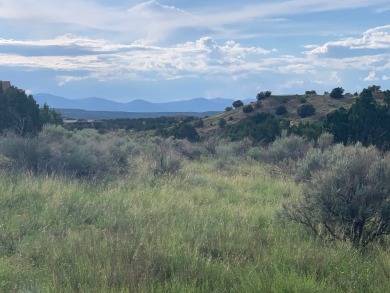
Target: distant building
(84, 123)
(5, 85)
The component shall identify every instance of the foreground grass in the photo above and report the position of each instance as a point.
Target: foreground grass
(201, 231)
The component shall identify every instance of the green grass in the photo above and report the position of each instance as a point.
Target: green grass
(200, 231)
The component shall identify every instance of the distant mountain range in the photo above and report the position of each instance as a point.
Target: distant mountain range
(98, 104)
(99, 115)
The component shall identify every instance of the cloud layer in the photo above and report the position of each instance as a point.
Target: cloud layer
(285, 45)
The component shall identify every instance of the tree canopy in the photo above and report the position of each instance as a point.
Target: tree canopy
(337, 93)
(367, 121)
(21, 114)
(238, 104)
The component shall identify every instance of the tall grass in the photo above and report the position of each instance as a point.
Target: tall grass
(202, 230)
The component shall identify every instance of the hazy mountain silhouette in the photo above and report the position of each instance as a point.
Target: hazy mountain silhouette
(99, 104)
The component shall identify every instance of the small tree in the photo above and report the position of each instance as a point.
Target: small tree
(50, 116)
(306, 110)
(238, 104)
(222, 123)
(280, 110)
(228, 109)
(185, 131)
(375, 88)
(262, 95)
(337, 93)
(247, 109)
(348, 198)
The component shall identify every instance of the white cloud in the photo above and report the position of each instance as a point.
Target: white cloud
(371, 76)
(76, 58)
(153, 22)
(63, 79)
(373, 39)
(292, 83)
(334, 77)
(298, 68)
(103, 60)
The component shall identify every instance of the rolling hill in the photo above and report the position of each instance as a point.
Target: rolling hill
(323, 104)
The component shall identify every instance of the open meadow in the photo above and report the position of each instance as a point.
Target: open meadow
(167, 224)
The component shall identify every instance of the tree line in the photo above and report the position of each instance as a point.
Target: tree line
(21, 114)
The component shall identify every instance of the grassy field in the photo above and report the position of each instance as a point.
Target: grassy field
(202, 230)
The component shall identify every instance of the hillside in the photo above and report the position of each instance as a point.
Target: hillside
(323, 104)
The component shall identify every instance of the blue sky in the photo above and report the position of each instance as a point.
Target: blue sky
(176, 49)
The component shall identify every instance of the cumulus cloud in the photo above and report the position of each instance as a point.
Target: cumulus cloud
(100, 59)
(334, 77)
(104, 60)
(376, 40)
(371, 76)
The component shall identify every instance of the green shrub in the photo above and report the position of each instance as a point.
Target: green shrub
(237, 104)
(80, 163)
(285, 150)
(260, 128)
(280, 110)
(349, 200)
(308, 165)
(337, 93)
(164, 159)
(225, 151)
(185, 131)
(222, 122)
(210, 144)
(192, 151)
(247, 109)
(23, 153)
(255, 153)
(306, 110)
(225, 157)
(81, 154)
(311, 130)
(325, 140)
(317, 159)
(263, 95)
(241, 147)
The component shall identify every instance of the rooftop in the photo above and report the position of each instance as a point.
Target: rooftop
(5, 85)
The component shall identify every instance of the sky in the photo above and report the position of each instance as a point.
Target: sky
(171, 50)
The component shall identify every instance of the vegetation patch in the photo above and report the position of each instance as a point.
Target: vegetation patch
(257, 204)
